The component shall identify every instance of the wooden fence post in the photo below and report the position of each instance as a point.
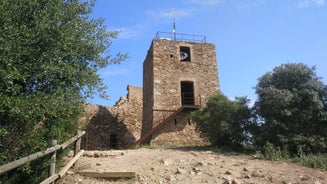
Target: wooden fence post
(78, 142)
(53, 151)
(52, 169)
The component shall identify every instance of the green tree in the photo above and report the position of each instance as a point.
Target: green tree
(224, 122)
(292, 102)
(50, 52)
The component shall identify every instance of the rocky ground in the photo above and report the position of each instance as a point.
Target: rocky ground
(188, 166)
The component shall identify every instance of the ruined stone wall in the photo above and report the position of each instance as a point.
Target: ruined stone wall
(114, 127)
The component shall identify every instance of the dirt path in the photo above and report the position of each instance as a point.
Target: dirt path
(189, 166)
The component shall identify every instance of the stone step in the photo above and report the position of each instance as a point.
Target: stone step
(107, 174)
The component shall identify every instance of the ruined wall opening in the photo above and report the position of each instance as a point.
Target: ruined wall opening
(187, 92)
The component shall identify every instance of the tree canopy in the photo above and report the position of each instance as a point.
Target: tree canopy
(50, 52)
(290, 114)
(292, 101)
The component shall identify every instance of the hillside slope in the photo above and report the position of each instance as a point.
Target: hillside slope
(189, 166)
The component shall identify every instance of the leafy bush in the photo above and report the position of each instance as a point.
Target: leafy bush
(270, 152)
(313, 160)
(223, 122)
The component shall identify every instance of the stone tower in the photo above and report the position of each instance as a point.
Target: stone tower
(178, 76)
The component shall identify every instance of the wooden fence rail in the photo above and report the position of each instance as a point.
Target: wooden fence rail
(52, 175)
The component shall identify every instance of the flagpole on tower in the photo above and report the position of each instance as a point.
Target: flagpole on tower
(174, 26)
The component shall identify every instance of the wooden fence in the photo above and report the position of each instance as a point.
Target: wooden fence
(53, 176)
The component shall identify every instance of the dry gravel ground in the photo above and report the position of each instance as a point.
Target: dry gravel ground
(189, 166)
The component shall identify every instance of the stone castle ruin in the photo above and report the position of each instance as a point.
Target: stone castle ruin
(179, 75)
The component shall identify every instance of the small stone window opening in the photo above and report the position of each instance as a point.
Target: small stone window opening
(185, 54)
(175, 120)
(189, 121)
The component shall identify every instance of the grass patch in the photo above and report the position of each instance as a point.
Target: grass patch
(312, 160)
(317, 161)
(150, 146)
(270, 152)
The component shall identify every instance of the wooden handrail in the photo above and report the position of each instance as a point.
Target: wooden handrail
(53, 177)
(63, 171)
(12, 165)
(73, 139)
(162, 123)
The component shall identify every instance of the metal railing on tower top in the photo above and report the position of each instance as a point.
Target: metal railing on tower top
(180, 37)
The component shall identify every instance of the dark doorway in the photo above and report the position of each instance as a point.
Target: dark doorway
(187, 93)
(113, 141)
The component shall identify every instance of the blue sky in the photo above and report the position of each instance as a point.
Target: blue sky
(251, 37)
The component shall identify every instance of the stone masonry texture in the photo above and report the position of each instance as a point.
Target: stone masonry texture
(162, 92)
(114, 127)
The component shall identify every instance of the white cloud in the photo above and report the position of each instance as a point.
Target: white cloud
(158, 16)
(278, 22)
(133, 32)
(164, 16)
(250, 4)
(114, 72)
(127, 33)
(207, 2)
(319, 2)
(308, 3)
(169, 14)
